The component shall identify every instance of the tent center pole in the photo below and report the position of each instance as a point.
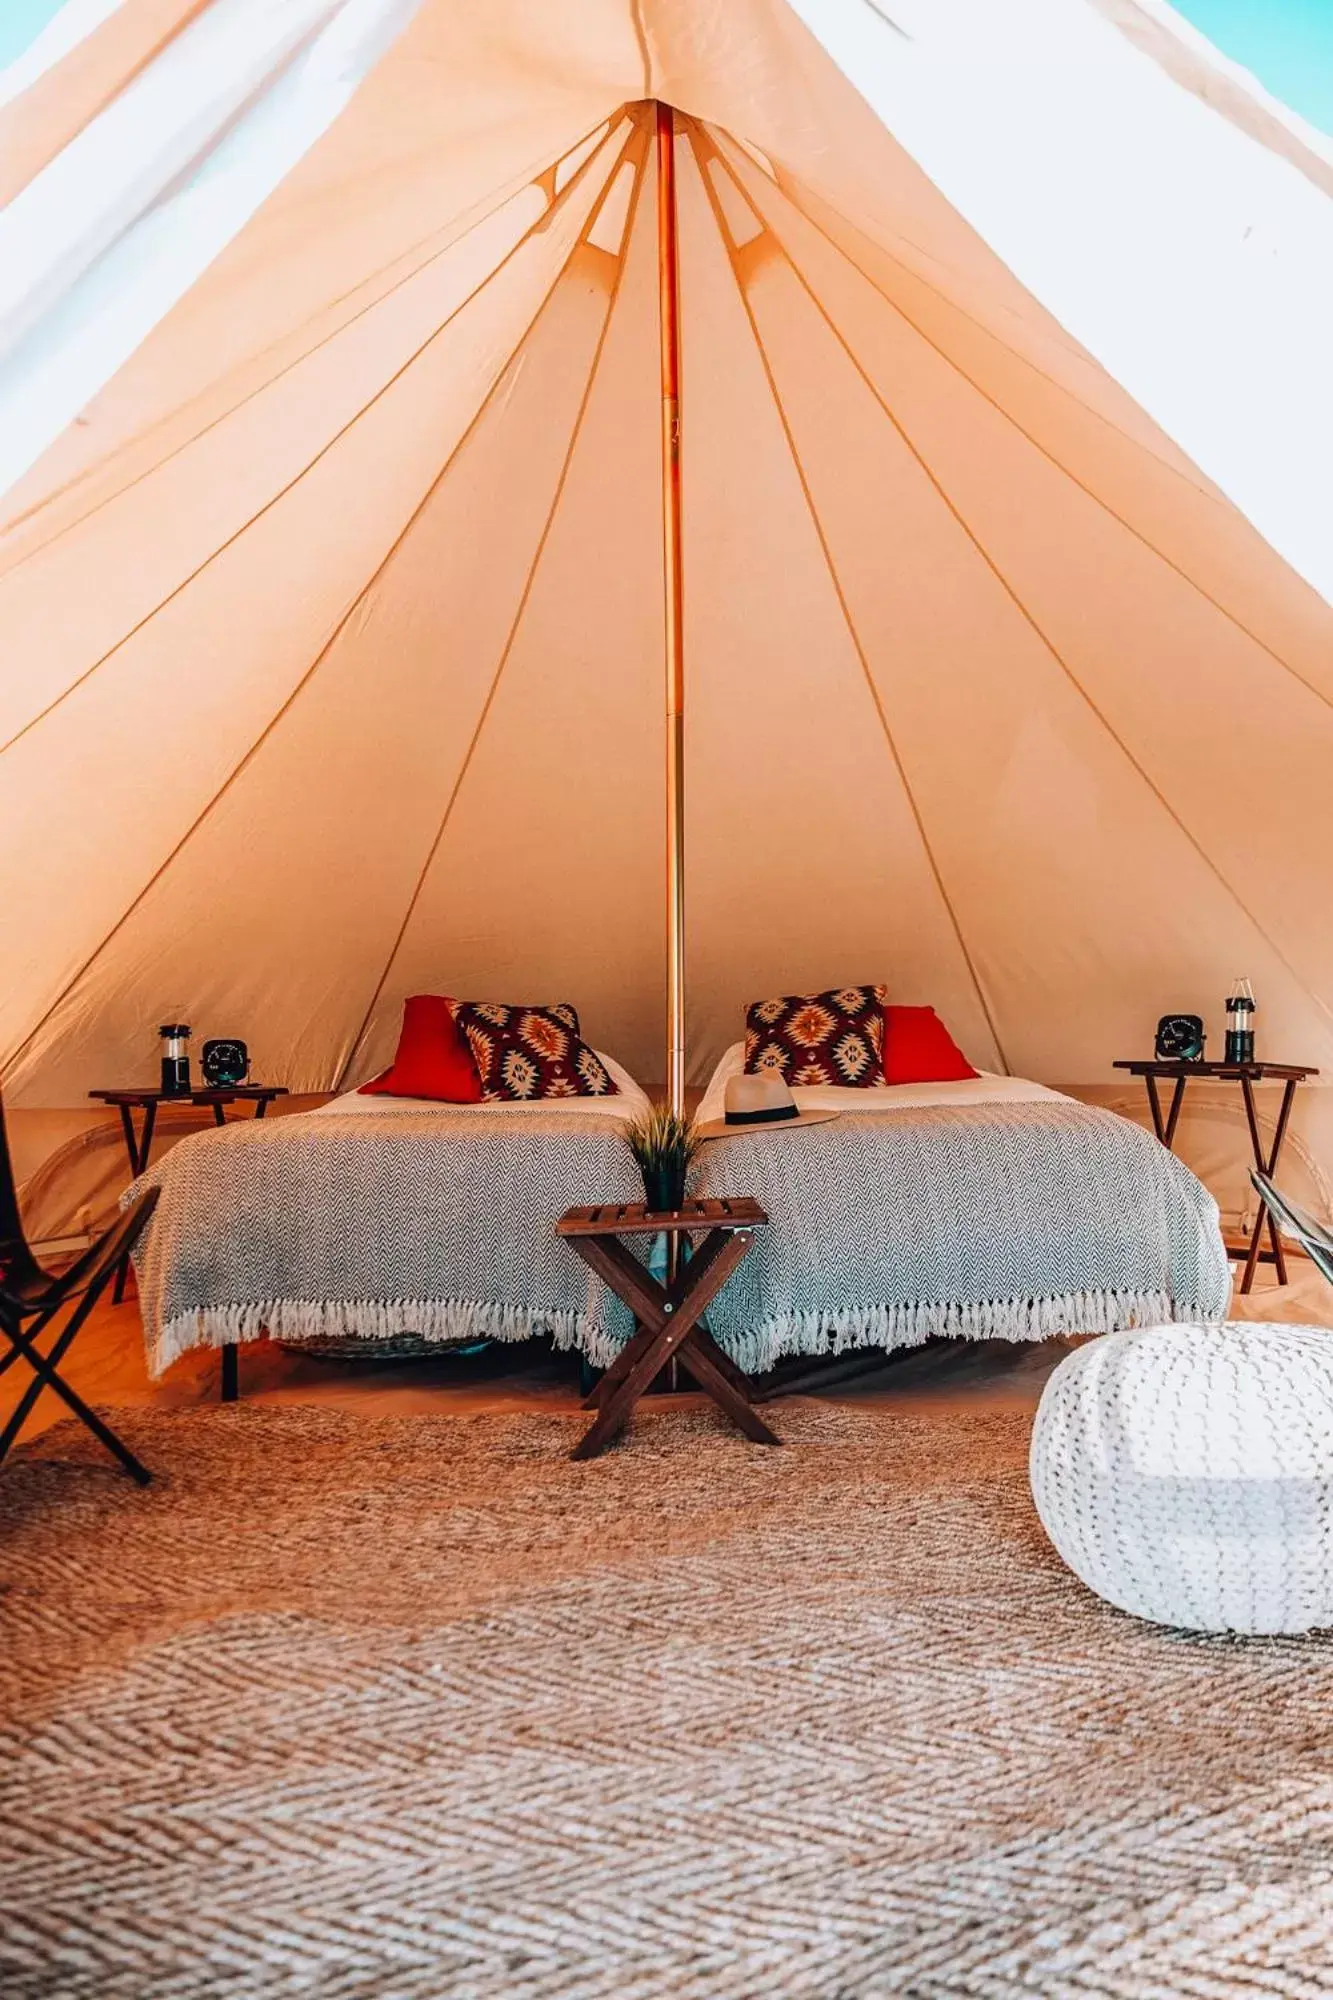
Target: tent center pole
(668, 292)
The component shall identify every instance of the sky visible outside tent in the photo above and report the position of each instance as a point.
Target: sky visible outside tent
(20, 22)
(1288, 44)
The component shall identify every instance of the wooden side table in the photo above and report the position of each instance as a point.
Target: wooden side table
(139, 1144)
(1247, 1075)
(667, 1317)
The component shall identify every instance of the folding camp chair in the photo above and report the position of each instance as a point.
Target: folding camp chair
(31, 1299)
(1313, 1238)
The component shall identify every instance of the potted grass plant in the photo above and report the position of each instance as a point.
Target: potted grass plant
(664, 1144)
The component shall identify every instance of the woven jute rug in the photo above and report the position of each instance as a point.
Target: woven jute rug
(414, 1707)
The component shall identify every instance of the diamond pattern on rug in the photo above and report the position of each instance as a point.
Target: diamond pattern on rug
(412, 1707)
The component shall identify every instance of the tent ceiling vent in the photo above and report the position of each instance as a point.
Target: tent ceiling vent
(608, 227)
(743, 225)
(569, 166)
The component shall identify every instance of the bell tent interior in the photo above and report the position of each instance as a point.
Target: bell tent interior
(646, 504)
(335, 620)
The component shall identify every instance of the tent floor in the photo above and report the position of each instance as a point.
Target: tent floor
(106, 1365)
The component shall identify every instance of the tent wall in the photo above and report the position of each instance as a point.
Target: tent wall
(1175, 220)
(180, 120)
(338, 630)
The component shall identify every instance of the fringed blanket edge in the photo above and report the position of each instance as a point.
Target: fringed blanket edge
(377, 1319)
(910, 1323)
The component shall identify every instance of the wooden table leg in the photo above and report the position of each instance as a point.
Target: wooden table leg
(703, 1342)
(1155, 1106)
(1266, 1219)
(1256, 1149)
(1173, 1115)
(703, 1367)
(1279, 1136)
(1252, 1257)
(614, 1411)
(1164, 1129)
(635, 1286)
(637, 1345)
(230, 1387)
(700, 1340)
(138, 1147)
(667, 1316)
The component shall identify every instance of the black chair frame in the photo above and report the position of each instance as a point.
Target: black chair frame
(32, 1299)
(1314, 1239)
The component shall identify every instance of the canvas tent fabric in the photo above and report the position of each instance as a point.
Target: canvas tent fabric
(124, 171)
(1186, 238)
(1174, 218)
(333, 628)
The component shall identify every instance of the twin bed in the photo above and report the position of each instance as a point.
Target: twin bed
(990, 1209)
(993, 1208)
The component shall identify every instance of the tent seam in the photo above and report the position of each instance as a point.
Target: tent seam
(294, 482)
(104, 102)
(845, 609)
(640, 25)
(797, 193)
(512, 190)
(973, 538)
(303, 682)
(525, 595)
(1036, 443)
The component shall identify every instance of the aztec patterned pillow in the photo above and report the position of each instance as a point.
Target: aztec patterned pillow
(813, 1038)
(523, 1053)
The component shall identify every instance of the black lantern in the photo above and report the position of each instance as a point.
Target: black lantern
(1240, 1022)
(175, 1059)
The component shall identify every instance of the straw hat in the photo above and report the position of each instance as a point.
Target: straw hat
(760, 1103)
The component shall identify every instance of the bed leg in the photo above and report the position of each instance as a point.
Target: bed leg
(231, 1373)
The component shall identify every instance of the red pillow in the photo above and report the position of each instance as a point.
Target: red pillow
(918, 1048)
(433, 1058)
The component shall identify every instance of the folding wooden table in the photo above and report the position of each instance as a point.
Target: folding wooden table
(1247, 1075)
(667, 1317)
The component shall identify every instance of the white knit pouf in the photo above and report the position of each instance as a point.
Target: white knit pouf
(1185, 1473)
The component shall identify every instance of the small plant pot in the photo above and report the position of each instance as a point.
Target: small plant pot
(663, 1189)
(664, 1144)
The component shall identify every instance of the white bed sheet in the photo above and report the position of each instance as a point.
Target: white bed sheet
(983, 1089)
(630, 1102)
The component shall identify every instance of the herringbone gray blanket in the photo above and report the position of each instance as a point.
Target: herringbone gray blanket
(1009, 1221)
(433, 1223)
